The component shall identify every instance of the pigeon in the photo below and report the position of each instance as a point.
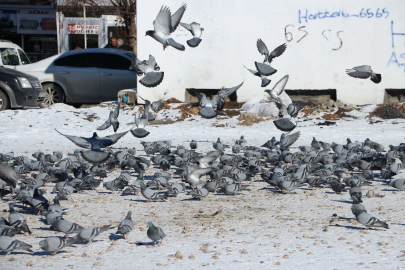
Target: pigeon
(151, 108)
(358, 208)
(284, 123)
(54, 244)
(153, 77)
(208, 107)
(151, 195)
(355, 195)
(112, 120)
(126, 226)
(265, 80)
(17, 220)
(193, 145)
(176, 188)
(277, 89)
(224, 93)
(398, 184)
(9, 244)
(289, 185)
(66, 226)
(165, 24)
(265, 68)
(6, 230)
(90, 233)
(66, 192)
(368, 220)
(232, 189)
(155, 233)
(287, 140)
(196, 31)
(198, 193)
(8, 175)
(141, 120)
(364, 72)
(194, 177)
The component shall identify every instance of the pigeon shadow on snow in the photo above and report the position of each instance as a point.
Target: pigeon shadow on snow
(45, 253)
(342, 201)
(114, 236)
(15, 253)
(347, 227)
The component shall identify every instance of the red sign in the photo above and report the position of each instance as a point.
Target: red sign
(78, 29)
(61, 26)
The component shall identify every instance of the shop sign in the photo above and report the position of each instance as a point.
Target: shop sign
(36, 21)
(78, 29)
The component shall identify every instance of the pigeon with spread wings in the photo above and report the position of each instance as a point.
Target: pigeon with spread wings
(196, 31)
(208, 106)
(277, 89)
(141, 121)
(151, 108)
(285, 113)
(224, 93)
(151, 69)
(112, 120)
(364, 72)
(265, 81)
(265, 69)
(165, 24)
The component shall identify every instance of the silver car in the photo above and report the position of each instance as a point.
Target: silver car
(84, 76)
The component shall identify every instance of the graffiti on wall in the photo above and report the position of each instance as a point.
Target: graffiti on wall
(397, 59)
(365, 13)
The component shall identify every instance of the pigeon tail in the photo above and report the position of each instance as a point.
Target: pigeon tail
(208, 113)
(284, 124)
(265, 69)
(152, 79)
(175, 45)
(194, 42)
(265, 81)
(139, 132)
(95, 157)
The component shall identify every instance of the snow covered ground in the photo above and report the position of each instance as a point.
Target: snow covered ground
(257, 229)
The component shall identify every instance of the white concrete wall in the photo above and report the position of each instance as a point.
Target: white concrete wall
(233, 27)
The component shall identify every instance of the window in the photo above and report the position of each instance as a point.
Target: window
(113, 61)
(23, 57)
(9, 57)
(77, 60)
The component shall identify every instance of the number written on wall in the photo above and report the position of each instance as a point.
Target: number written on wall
(289, 36)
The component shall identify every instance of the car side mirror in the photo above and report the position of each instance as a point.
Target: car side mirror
(131, 68)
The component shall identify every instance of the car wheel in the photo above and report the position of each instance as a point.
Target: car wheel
(4, 102)
(54, 94)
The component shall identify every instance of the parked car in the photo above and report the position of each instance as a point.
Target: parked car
(18, 89)
(12, 55)
(84, 76)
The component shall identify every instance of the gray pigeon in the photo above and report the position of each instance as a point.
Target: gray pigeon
(17, 220)
(196, 31)
(8, 175)
(151, 108)
(176, 188)
(153, 77)
(66, 227)
(287, 140)
(224, 93)
(358, 208)
(66, 192)
(289, 185)
(269, 56)
(364, 72)
(54, 244)
(208, 106)
(277, 89)
(368, 220)
(233, 189)
(126, 226)
(6, 230)
(355, 195)
(398, 183)
(151, 195)
(198, 193)
(265, 80)
(141, 121)
(155, 233)
(89, 234)
(112, 120)
(9, 244)
(165, 24)
(284, 123)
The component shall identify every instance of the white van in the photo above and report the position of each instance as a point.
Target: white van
(12, 55)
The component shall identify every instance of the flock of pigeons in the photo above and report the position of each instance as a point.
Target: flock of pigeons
(341, 167)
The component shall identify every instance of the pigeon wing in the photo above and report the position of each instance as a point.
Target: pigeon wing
(187, 26)
(162, 22)
(279, 87)
(265, 69)
(202, 99)
(196, 29)
(226, 92)
(176, 17)
(156, 105)
(277, 52)
(106, 124)
(216, 102)
(361, 72)
(175, 45)
(262, 47)
(79, 141)
(291, 139)
(116, 111)
(152, 64)
(253, 72)
(152, 79)
(111, 139)
(134, 63)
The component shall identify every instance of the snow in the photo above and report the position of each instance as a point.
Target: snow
(261, 229)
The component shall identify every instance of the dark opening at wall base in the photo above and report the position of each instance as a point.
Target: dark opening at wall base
(394, 96)
(191, 97)
(313, 96)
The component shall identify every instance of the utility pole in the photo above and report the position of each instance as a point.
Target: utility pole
(85, 25)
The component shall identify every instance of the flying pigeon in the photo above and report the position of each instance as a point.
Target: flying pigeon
(194, 177)
(208, 107)
(364, 72)
(285, 113)
(224, 93)
(287, 140)
(277, 89)
(141, 121)
(165, 24)
(265, 69)
(9, 244)
(265, 81)
(155, 233)
(151, 108)
(112, 120)
(126, 226)
(196, 31)
(153, 77)
(54, 244)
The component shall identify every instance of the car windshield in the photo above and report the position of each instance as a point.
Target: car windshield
(9, 57)
(23, 57)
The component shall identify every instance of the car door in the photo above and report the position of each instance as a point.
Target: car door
(80, 76)
(115, 75)
(9, 57)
